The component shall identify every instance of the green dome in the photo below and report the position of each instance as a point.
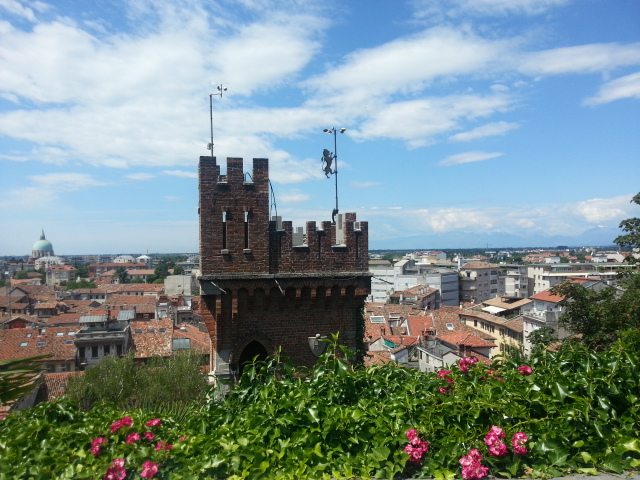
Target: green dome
(43, 246)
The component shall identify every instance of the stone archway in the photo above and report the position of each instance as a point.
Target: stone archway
(252, 350)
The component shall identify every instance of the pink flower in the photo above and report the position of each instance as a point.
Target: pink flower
(163, 446)
(154, 423)
(518, 441)
(466, 362)
(182, 438)
(445, 390)
(149, 436)
(475, 471)
(149, 469)
(125, 422)
(496, 431)
(412, 435)
(471, 466)
(525, 370)
(116, 471)
(133, 437)
(498, 450)
(417, 447)
(95, 445)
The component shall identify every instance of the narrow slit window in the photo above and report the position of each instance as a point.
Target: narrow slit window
(246, 229)
(224, 230)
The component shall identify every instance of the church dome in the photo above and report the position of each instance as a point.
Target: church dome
(43, 245)
(42, 248)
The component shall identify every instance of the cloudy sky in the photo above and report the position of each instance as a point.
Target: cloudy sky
(513, 120)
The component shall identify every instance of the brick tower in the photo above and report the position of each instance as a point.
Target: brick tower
(265, 286)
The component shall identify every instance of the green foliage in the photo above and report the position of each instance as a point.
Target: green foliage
(541, 338)
(579, 409)
(82, 283)
(631, 227)
(21, 275)
(18, 377)
(178, 270)
(160, 384)
(121, 274)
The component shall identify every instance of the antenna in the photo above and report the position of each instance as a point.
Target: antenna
(221, 89)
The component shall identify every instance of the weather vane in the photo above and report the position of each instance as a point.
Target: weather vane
(328, 159)
(219, 93)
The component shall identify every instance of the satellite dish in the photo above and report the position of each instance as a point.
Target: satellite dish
(209, 146)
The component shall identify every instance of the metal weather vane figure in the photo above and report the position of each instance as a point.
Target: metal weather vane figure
(327, 160)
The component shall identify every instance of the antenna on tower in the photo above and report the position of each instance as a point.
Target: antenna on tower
(220, 90)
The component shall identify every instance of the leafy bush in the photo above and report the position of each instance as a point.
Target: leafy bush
(578, 410)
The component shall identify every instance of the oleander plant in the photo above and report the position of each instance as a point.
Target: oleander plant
(576, 410)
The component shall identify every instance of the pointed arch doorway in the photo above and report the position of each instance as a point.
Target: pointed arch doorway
(252, 350)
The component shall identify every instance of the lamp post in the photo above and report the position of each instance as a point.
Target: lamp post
(329, 158)
(220, 89)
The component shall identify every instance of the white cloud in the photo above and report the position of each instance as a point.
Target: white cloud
(468, 157)
(488, 130)
(139, 176)
(292, 197)
(66, 181)
(600, 210)
(17, 8)
(623, 87)
(180, 173)
(458, 8)
(590, 58)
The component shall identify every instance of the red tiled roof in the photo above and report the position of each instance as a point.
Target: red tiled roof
(465, 339)
(200, 341)
(149, 341)
(547, 296)
(51, 343)
(122, 300)
(377, 357)
(56, 383)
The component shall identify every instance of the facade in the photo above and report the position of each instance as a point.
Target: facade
(59, 274)
(478, 281)
(265, 287)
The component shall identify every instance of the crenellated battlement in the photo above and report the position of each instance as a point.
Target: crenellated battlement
(238, 237)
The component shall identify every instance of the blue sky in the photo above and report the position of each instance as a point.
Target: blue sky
(469, 122)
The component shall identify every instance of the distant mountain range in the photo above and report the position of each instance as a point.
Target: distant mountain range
(598, 236)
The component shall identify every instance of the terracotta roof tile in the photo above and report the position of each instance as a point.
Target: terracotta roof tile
(152, 338)
(31, 342)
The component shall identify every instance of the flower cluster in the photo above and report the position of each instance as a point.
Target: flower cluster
(149, 469)
(95, 445)
(416, 447)
(125, 422)
(525, 370)
(471, 466)
(467, 362)
(117, 471)
(493, 440)
(446, 376)
(518, 443)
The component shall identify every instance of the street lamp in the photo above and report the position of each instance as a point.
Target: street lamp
(220, 89)
(327, 159)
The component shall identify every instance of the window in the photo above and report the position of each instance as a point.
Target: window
(162, 330)
(151, 330)
(107, 349)
(138, 330)
(180, 343)
(24, 344)
(60, 334)
(28, 335)
(68, 342)
(71, 333)
(94, 351)
(40, 344)
(449, 326)
(81, 352)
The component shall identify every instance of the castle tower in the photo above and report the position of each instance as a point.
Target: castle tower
(265, 286)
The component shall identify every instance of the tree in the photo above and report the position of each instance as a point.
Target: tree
(601, 316)
(121, 274)
(178, 270)
(541, 338)
(162, 381)
(21, 275)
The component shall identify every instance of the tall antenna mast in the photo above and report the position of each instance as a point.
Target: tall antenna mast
(220, 89)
